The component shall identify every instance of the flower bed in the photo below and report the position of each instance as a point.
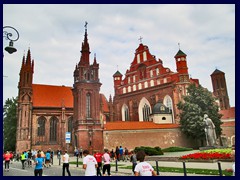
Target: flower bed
(208, 155)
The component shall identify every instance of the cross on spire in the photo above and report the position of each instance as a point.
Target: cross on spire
(86, 23)
(140, 39)
(179, 45)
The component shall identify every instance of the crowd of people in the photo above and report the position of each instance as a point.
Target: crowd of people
(29, 158)
(96, 164)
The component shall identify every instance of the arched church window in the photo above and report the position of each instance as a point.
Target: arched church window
(168, 102)
(125, 113)
(157, 71)
(70, 126)
(140, 86)
(146, 112)
(53, 129)
(145, 84)
(151, 83)
(138, 58)
(129, 88)
(134, 87)
(144, 56)
(88, 105)
(41, 126)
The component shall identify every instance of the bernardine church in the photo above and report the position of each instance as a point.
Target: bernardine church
(142, 112)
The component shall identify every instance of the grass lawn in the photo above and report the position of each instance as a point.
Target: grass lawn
(174, 170)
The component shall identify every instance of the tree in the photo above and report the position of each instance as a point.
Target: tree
(9, 124)
(198, 102)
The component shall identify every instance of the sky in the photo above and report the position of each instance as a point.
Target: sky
(54, 33)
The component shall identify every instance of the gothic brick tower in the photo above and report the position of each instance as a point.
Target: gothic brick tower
(220, 88)
(24, 110)
(182, 68)
(86, 111)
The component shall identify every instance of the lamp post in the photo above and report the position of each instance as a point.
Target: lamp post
(9, 36)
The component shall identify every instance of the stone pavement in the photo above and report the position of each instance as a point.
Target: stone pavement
(161, 163)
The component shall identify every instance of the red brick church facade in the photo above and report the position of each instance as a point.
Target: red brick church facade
(144, 104)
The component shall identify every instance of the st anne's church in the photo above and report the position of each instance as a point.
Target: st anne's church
(142, 112)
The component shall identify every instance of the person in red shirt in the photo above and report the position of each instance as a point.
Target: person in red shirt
(98, 157)
(7, 157)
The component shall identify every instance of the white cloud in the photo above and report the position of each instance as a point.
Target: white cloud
(54, 33)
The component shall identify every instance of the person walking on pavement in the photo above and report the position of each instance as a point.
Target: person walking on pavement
(48, 159)
(7, 157)
(38, 171)
(23, 159)
(117, 153)
(143, 168)
(106, 159)
(98, 157)
(121, 153)
(133, 159)
(59, 153)
(81, 152)
(89, 164)
(65, 159)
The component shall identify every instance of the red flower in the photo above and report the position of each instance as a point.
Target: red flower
(207, 156)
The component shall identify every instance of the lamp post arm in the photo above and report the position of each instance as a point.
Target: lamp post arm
(8, 35)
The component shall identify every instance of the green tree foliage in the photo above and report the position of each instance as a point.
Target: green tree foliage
(9, 124)
(198, 102)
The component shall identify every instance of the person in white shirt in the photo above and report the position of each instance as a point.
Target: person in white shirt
(89, 164)
(143, 168)
(65, 159)
(107, 159)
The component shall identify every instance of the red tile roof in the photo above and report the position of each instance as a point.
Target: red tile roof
(122, 125)
(52, 96)
(105, 103)
(228, 113)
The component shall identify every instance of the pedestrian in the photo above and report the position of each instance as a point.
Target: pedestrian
(81, 152)
(26, 157)
(106, 165)
(75, 151)
(7, 157)
(89, 164)
(121, 153)
(117, 153)
(17, 155)
(112, 155)
(29, 159)
(48, 159)
(65, 159)
(98, 157)
(59, 153)
(133, 159)
(23, 159)
(51, 157)
(34, 154)
(38, 171)
(143, 168)
(126, 158)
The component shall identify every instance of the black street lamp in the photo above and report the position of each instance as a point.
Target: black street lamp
(8, 35)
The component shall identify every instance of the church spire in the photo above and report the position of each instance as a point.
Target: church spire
(85, 49)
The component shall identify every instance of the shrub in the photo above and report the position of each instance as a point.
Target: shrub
(149, 150)
(176, 149)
